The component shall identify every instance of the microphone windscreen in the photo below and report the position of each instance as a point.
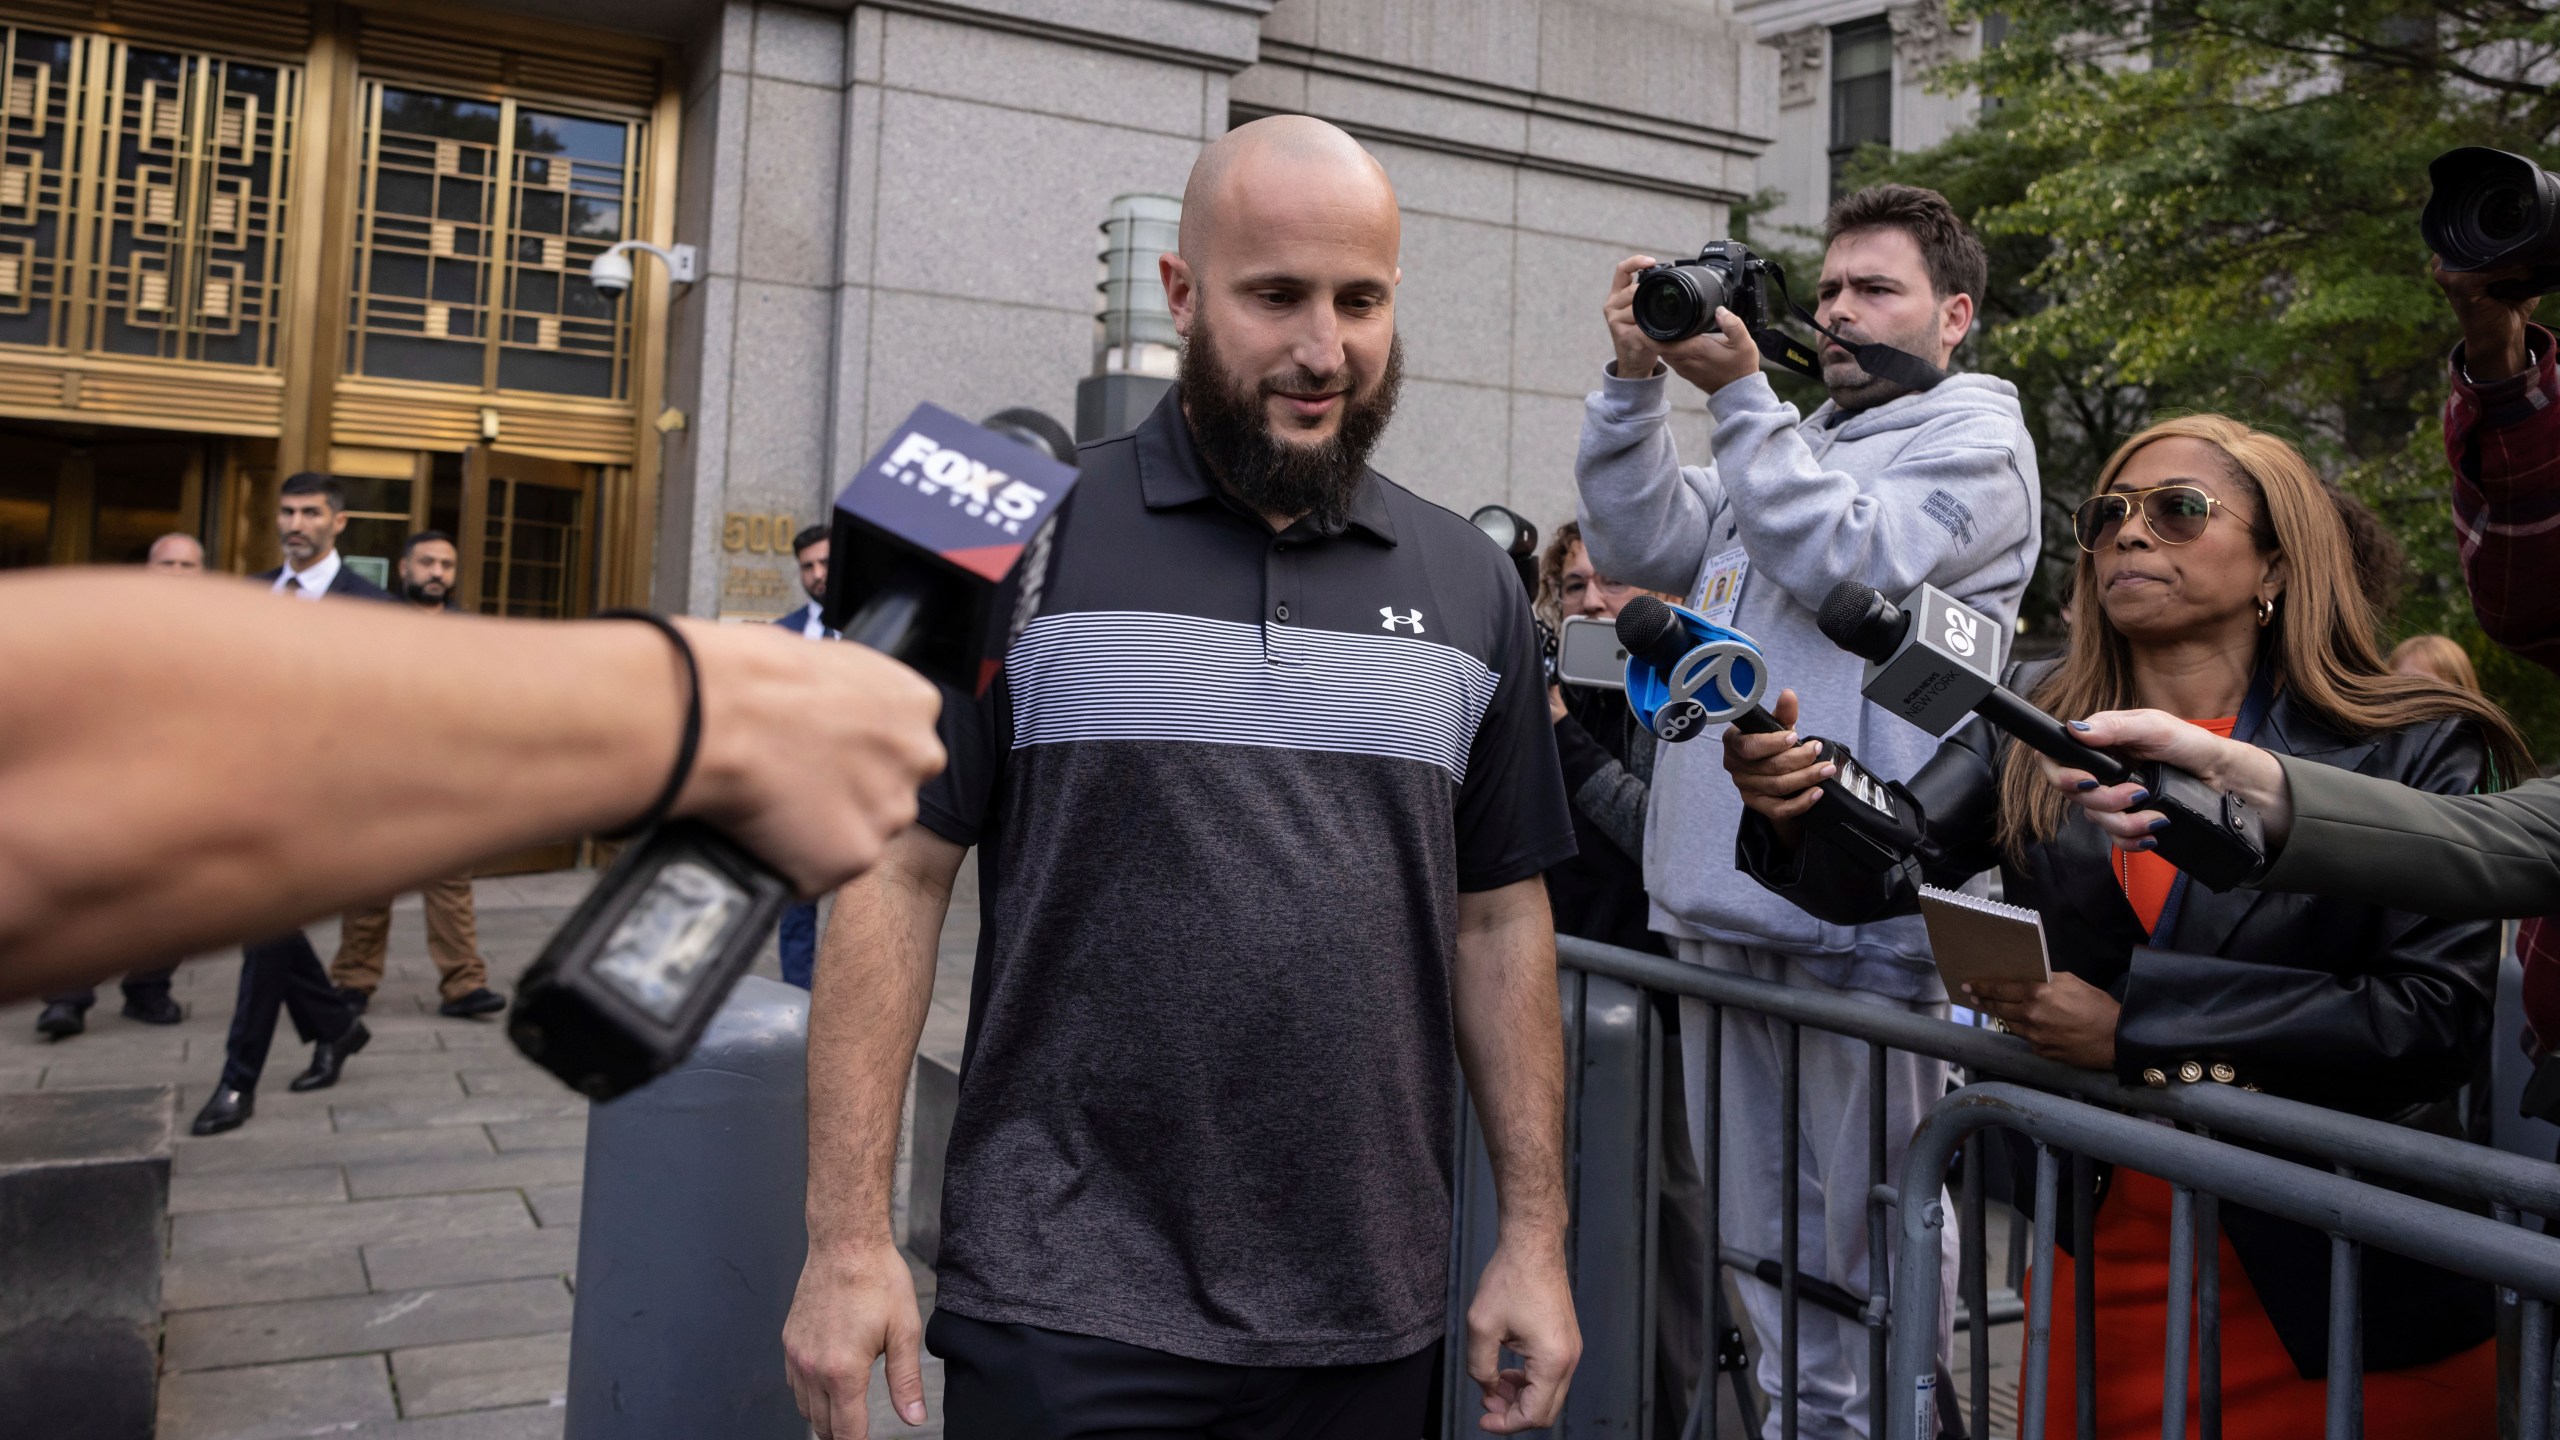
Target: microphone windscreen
(1858, 619)
(1646, 625)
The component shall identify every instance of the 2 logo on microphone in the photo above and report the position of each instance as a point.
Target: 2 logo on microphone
(1962, 626)
(975, 487)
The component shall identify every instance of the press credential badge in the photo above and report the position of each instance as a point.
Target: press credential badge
(1721, 595)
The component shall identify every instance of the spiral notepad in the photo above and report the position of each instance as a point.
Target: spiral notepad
(1976, 939)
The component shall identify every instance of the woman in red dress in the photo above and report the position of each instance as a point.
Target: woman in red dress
(2217, 580)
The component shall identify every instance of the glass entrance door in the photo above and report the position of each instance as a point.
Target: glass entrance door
(528, 535)
(87, 494)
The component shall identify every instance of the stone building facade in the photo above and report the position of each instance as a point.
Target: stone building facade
(896, 203)
(1850, 73)
(245, 239)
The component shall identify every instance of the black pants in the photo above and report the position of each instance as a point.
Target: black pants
(138, 985)
(1018, 1382)
(280, 974)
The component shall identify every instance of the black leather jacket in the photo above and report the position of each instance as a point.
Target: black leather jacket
(2349, 1006)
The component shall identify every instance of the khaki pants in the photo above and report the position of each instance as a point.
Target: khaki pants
(365, 934)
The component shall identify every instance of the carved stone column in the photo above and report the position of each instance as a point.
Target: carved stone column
(1801, 54)
(1926, 37)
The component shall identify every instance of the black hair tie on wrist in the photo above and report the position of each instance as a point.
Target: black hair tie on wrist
(666, 801)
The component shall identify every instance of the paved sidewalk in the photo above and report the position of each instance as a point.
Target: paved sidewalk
(393, 1256)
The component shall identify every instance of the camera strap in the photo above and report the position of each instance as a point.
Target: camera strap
(1884, 362)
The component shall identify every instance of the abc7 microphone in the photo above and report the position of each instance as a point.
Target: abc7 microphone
(1933, 660)
(940, 548)
(1685, 672)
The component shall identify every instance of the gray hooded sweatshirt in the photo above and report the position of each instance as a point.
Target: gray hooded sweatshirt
(1938, 486)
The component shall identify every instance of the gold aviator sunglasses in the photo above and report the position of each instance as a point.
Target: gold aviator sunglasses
(2174, 514)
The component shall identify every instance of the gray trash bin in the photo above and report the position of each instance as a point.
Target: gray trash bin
(692, 1234)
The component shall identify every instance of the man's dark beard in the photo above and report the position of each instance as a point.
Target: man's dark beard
(1229, 423)
(420, 595)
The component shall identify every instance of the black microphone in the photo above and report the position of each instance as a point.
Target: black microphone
(1933, 660)
(1935, 674)
(941, 547)
(1877, 816)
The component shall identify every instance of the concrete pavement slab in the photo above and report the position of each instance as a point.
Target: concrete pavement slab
(531, 1422)
(355, 1324)
(555, 1205)
(515, 1135)
(274, 1402)
(472, 1036)
(513, 1080)
(75, 1071)
(253, 1189)
(250, 1149)
(406, 1114)
(418, 1264)
(205, 1281)
(357, 1222)
(269, 1122)
(20, 1044)
(495, 1172)
(482, 1374)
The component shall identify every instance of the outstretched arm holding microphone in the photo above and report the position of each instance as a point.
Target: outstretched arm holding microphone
(2334, 832)
(161, 766)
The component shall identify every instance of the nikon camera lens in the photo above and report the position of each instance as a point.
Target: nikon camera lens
(2490, 210)
(1674, 302)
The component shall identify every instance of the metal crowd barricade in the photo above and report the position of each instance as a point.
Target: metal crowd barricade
(2095, 1119)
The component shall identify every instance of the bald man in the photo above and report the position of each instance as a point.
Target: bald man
(146, 992)
(1261, 803)
(177, 552)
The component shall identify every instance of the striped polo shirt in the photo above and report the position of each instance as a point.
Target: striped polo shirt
(1225, 794)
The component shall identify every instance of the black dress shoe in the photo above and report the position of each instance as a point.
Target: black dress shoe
(329, 1057)
(483, 1001)
(356, 1000)
(154, 1010)
(226, 1110)
(61, 1020)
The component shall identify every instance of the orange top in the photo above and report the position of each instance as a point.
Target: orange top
(2263, 1396)
(2146, 877)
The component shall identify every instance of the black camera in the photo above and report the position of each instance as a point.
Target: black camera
(1678, 300)
(2490, 211)
(1518, 538)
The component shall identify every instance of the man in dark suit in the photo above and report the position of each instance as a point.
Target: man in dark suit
(284, 973)
(798, 935)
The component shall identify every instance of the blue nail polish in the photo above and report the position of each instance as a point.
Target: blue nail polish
(2134, 801)
(2144, 845)
(2087, 785)
(2079, 724)
(2160, 824)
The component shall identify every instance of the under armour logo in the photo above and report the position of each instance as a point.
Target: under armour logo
(1412, 618)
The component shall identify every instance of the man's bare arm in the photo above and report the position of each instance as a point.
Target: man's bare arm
(1511, 1043)
(874, 983)
(186, 763)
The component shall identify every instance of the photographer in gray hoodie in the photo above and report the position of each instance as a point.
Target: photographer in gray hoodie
(1883, 485)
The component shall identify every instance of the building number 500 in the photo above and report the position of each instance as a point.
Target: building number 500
(757, 534)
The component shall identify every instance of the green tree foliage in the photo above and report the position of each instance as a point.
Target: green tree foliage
(2213, 205)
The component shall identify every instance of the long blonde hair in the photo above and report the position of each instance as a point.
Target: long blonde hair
(2320, 643)
(2436, 655)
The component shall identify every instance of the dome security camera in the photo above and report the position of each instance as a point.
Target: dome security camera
(611, 273)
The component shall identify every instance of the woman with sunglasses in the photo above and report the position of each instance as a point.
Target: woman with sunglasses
(2218, 581)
